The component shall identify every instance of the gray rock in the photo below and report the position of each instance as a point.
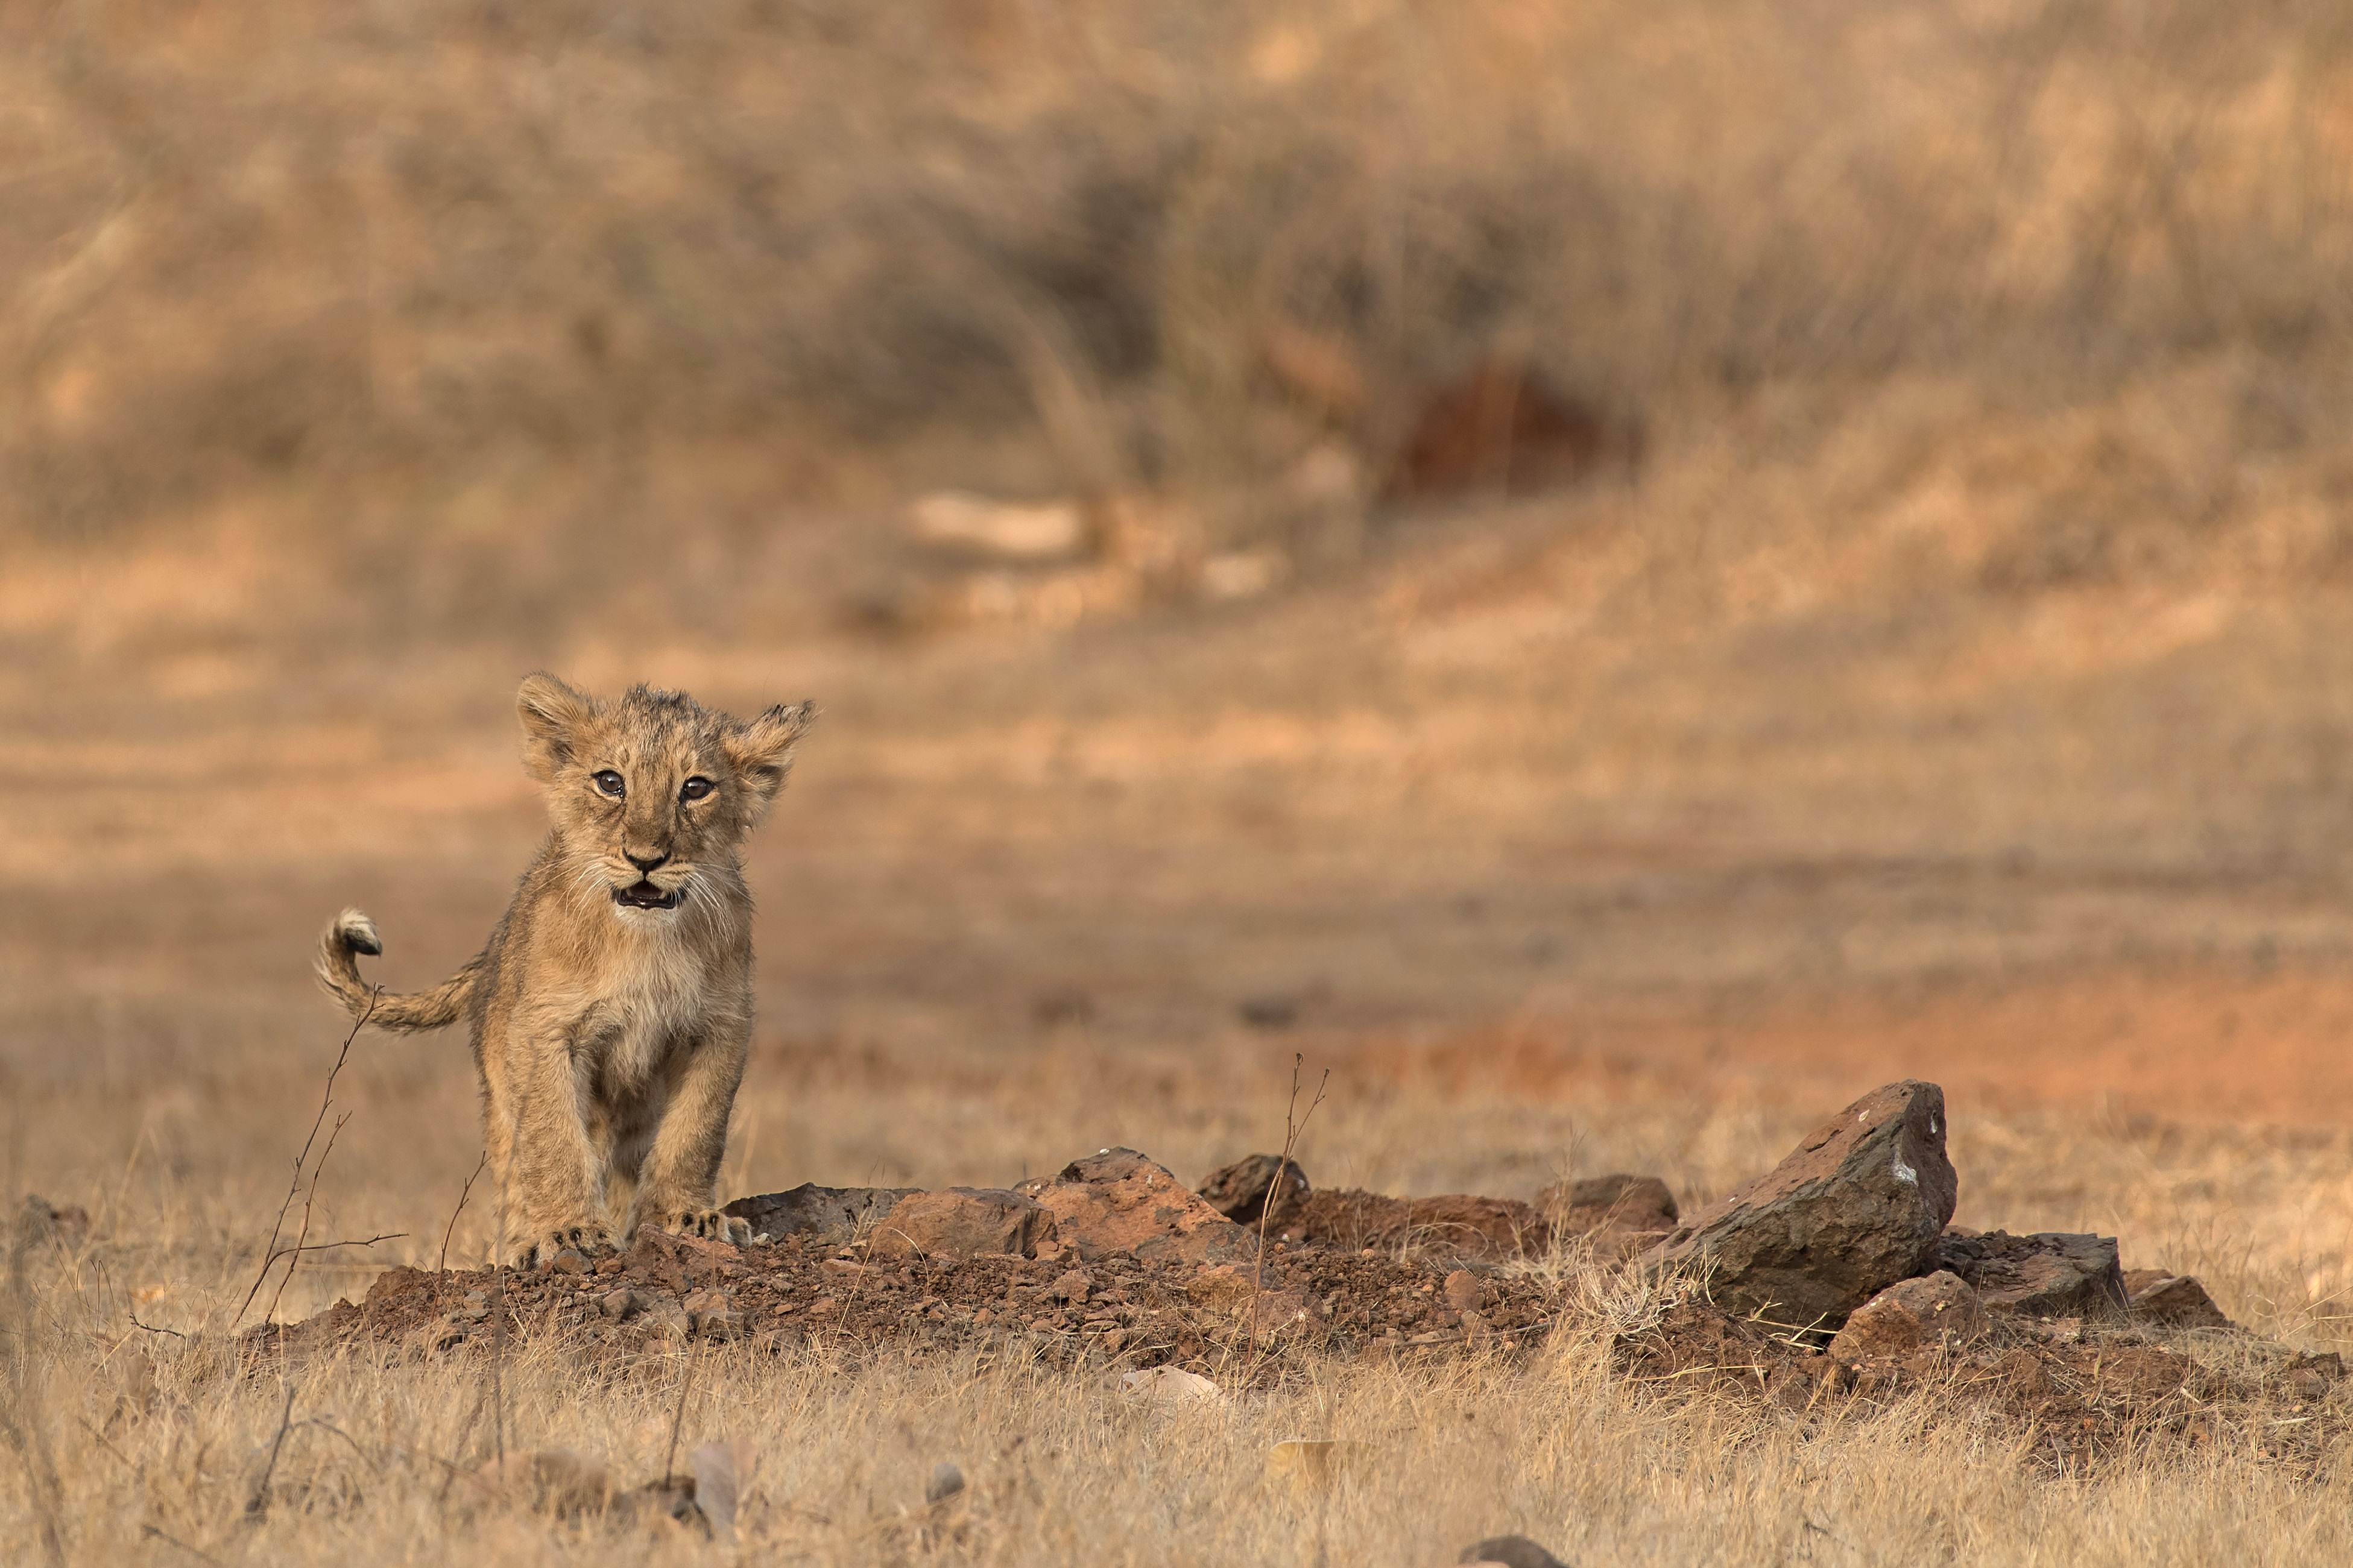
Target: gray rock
(1240, 1190)
(945, 1482)
(2046, 1275)
(1512, 1551)
(1856, 1207)
(833, 1216)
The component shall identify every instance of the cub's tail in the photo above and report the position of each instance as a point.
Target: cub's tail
(351, 933)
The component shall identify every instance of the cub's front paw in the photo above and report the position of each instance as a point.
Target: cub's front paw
(708, 1223)
(588, 1237)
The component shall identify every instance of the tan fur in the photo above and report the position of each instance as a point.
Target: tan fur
(610, 1038)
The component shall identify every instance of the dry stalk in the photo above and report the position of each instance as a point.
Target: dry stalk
(326, 1098)
(1294, 1125)
(441, 1263)
(678, 1417)
(257, 1506)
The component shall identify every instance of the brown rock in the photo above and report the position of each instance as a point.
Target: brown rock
(1939, 1311)
(1463, 1290)
(834, 1217)
(2045, 1275)
(568, 1260)
(1511, 1551)
(1240, 1190)
(1856, 1207)
(1457, 1227)
(1119, 1201)
(964, 1222)
(2171, 1300)
(1617, 1216)
(713, 1315)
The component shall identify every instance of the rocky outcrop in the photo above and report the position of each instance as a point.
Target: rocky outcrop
(1856, 1207)
(1938, 1312)
(2171, 1300)
(832, 1216)
(2046, 1275)
(1241, 1191)
(1118, 1200)
(965, 1222)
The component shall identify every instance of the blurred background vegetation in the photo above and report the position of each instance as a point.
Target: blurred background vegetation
(442, 289)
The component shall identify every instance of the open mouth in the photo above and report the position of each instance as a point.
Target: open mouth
(645, 896)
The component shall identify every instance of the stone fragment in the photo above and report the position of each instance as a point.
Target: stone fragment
(1071, 1286)
(835, 1216)
(2044, 1275)
(1241, 1191)
(964, 1222)
(945, 1482)
(1169, 1385)
(1939, 1312)
(1119, 1201)
(1616, 1217)
(1459, 1227)
(568, 1260)
(713, 1315)
(1856, 1207)
(622, 1304)
(1511, 1551)
(2171, 1300)
(1463, 1290)
(722, 1471)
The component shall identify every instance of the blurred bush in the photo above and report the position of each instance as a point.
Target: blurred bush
(1181, 247)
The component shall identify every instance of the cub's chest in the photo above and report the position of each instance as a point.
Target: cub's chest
(648, 1009)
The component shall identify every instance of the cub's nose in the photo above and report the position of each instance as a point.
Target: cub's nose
(645, 864)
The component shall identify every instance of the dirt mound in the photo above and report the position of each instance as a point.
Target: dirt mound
(786, 1295)
(2075, 1392)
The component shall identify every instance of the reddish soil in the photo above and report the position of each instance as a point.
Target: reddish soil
(2073, 1392)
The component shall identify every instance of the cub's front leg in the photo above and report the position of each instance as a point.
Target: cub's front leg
(679, 1192)
(551, 1178)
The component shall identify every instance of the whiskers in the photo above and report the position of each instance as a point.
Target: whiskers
(706, 899)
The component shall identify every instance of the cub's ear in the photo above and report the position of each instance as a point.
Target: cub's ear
(552, 715)
(760, 750)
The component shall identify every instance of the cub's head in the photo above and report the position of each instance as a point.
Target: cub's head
(650, 794)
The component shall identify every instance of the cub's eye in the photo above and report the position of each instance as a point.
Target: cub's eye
(695, 788)
(610, 783)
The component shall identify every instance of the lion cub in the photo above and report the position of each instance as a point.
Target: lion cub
(612, 1005)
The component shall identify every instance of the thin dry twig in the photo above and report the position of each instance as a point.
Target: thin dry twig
(678, 1418)
(149, 1532)
(302, 1237)
(257, 1506)
(1292, 1129)
(441, 1263)
(326, 1098)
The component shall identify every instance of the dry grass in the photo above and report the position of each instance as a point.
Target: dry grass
(148, 1431)
(1959, 688)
